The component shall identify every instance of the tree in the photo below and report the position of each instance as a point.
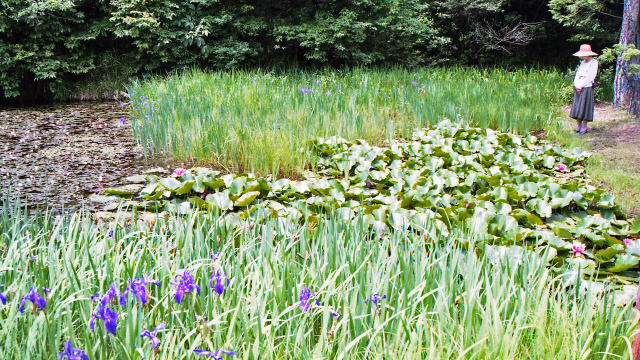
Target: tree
(628, 36)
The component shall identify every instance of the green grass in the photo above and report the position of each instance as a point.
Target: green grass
(613, 165)
(442, 301)
(241, 125)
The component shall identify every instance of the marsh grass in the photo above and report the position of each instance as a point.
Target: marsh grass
(227, 118)
(442, 302)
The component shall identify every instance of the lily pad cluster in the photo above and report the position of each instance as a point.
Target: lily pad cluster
(507, 189)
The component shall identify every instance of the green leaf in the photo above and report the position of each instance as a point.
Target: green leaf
(623, 263)
(609, 253)
(170, 184)
(220, 200)
(246, 198)
(185, 188)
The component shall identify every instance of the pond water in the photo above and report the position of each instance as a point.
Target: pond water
(59, 155)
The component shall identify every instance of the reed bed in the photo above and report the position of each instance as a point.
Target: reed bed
(260, 121)
(435, 299)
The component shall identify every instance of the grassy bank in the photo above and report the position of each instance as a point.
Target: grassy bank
(258, 121)
(440, 301)
(615, 143)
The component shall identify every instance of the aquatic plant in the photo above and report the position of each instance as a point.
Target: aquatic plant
(229, 118)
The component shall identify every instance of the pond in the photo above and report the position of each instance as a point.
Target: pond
(59, 155)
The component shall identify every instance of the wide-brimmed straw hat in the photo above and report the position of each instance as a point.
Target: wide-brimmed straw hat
(585, 50)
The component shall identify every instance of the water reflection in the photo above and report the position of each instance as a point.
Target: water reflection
(57, 155)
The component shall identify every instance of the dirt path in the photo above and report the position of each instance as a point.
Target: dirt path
(614, 140)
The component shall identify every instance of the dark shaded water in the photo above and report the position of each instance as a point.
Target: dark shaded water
(58, 155)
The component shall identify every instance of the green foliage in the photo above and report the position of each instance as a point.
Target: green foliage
(507, 190)
(442, 300)
(589, 20)
(230, 118)
(46, 41)
(56, 47)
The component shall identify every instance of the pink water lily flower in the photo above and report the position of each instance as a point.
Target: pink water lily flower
(578, 248)
(562, 167)
(627, 241)
(179, 171)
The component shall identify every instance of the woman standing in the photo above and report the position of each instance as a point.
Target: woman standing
(582, 107)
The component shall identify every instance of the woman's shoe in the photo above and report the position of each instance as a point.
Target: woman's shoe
(583, 131)
(577, 131)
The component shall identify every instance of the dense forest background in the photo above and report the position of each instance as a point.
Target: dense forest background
(64, 49)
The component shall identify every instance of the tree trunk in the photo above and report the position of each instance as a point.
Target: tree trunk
(628, 36)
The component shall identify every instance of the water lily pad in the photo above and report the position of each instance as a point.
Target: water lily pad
(136, 179)
(124, 190)
(246, 198)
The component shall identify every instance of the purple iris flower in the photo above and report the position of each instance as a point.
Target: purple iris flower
(31, 258)
(219, 284)
(328, 93)
(336, 314)
(70, 353)
(146, 116)
(123, 121)
(413, 83)
(3, 299)
(35, 298)
(184, 285)
(318, 81)
(375, 298)
(305, 91)
(216, 355)
(107, 315)
(122, 105)
(305, 296)
(215, 256)
(152, 335)
(138, 287)
(144, 103)
(110, 233)
(114, 296)
(254, 80)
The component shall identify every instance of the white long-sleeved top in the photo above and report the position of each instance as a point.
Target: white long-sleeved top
(586, 73)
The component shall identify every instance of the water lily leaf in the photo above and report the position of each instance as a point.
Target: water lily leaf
(236, 187)
(199, 186)
(213, 183)
(125, 190)
(540, 206)
(136, 179)
(623, 263)
(185, 188)
(170, 184)
(562, 232)
(634, 248)
(220, 200)
(635, 225)
(246, 198)
(198, 202)
(585, 266)
(609, 253)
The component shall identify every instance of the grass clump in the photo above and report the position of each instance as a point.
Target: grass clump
(440, 300)
(257, 121)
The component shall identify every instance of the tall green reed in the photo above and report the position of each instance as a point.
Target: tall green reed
(259, 121)
(442, 301)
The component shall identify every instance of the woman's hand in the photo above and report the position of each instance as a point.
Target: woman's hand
(579, 90)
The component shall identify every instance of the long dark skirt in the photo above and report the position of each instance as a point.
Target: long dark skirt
(582, 107)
